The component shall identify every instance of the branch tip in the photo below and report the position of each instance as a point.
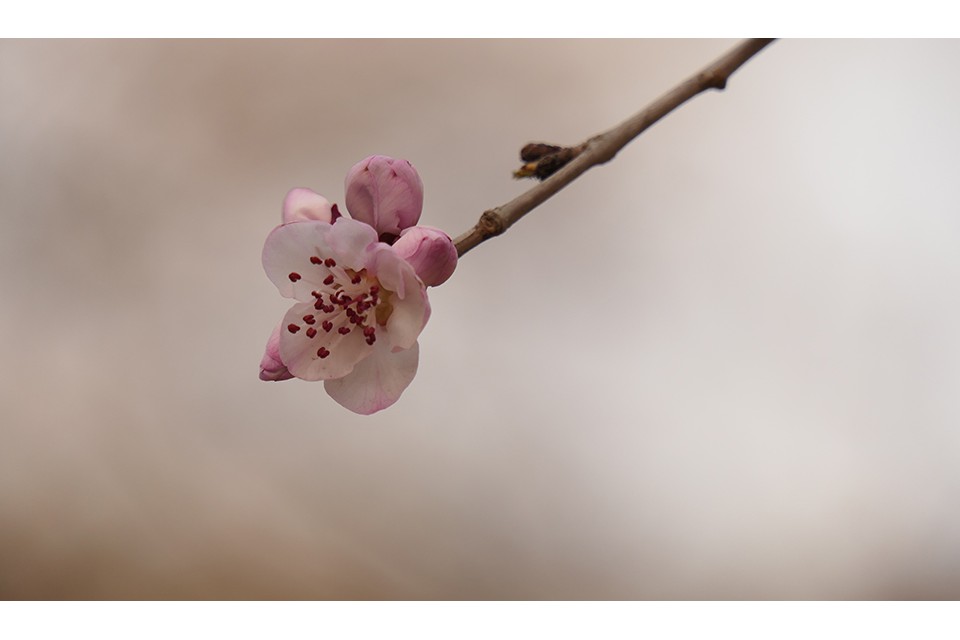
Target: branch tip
(543, 160)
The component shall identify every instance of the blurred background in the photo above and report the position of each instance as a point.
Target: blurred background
(725, 365)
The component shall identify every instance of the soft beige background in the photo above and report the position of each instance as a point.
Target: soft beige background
(726, 365)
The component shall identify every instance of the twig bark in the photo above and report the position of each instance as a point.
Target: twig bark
(603, 147)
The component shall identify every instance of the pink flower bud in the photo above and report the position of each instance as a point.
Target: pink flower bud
(430, 251)
(271, 367)
(385, 193)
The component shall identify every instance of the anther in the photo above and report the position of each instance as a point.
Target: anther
(293, 328)
(311, 332)
(294, 276)
(327, 325)
(323, 352)
(343, 330)
(356, 279)
(330, 262)
(328, 280)
(309, 319)
(315, 260)
(369, 331)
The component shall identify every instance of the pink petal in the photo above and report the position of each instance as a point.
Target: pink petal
(377, 381)
(305, 204)
(430, 251)
(313, 351)
(271, 366)
(384, 192)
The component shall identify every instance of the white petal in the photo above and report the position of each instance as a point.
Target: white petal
(286, 258)
(294, 254)
(411, 309)
(299, 348)
(350, 240)
(306, 204)
(377, 381)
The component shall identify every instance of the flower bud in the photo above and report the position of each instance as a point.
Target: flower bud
(271, 367)
(386, 193)
(430, 251)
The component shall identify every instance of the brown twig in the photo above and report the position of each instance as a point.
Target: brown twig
(603, 147)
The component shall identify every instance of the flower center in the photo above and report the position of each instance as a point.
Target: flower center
(345, 302)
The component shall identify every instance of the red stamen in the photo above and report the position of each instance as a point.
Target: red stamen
(309, 319)
(328, 280)
(311, 332)
(330, 262)
(294, 276)
(292, 328)
(343, 330)
(322, 352)
(315, 260)
(369, 331)
(327, 325)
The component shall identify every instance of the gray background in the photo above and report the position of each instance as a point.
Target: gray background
(725, 365)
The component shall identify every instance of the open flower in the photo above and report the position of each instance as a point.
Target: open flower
(361, 303)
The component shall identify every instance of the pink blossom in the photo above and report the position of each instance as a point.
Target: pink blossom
(357, 300)
(430, 251)
(361, 303)
(386, 193)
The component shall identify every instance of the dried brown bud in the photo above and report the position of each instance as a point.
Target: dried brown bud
(545, 165)
(536, 150)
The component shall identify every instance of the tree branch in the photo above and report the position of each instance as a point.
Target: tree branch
(603, 147)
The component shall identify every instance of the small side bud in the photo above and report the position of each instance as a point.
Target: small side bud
(430, 251)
